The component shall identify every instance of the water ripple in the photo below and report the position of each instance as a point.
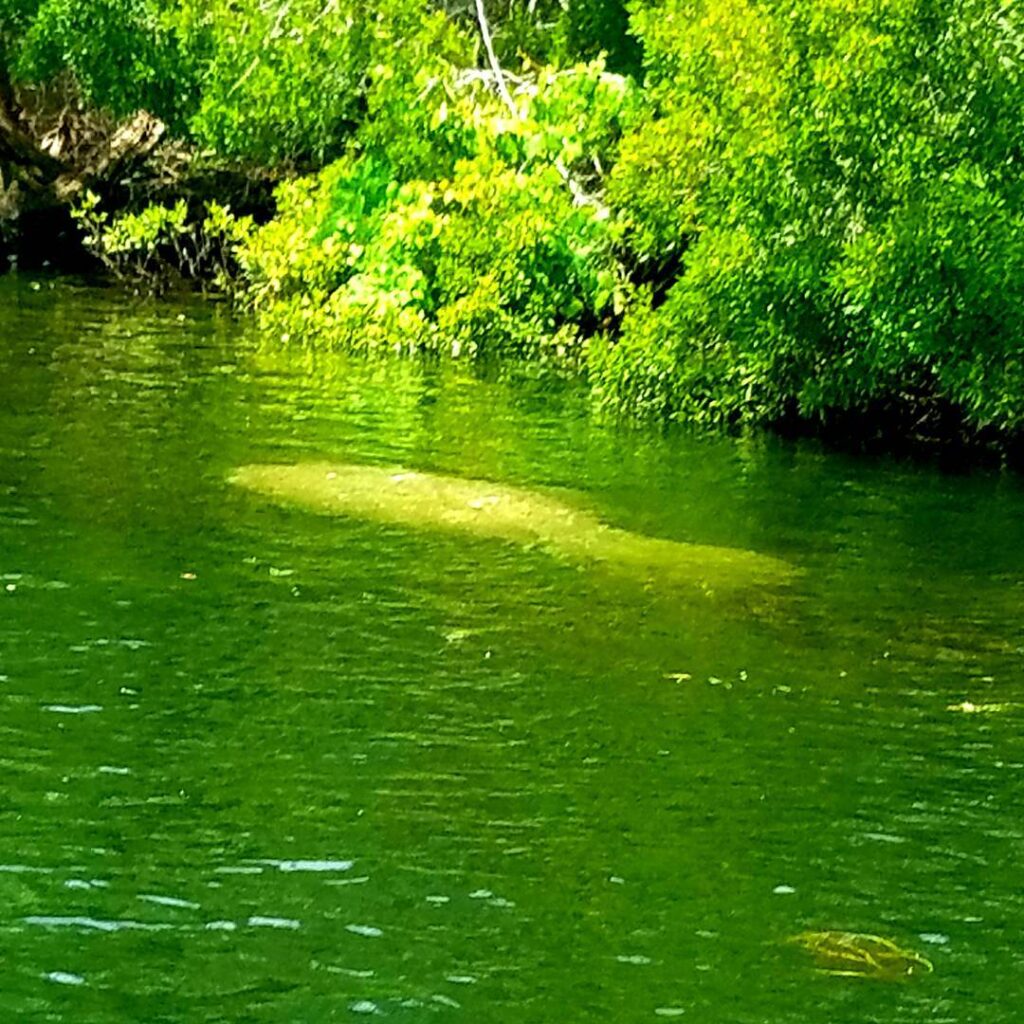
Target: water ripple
(93, 924)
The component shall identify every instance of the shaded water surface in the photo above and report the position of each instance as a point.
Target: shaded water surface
(258, 764)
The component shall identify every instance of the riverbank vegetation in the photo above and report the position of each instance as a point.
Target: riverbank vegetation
(728, 212)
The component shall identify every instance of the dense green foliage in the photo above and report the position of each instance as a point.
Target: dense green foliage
(467, 234)
(268, 82)
(840, 183)
(124, 54)
(160, 244)
(744, 209)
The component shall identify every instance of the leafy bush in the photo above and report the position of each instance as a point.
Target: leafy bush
(500, 250)
(124, 54)
(840, 182)
(161, 245)
(290, 81)
(269, 82)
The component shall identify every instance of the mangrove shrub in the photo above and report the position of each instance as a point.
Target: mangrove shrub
(835, 189)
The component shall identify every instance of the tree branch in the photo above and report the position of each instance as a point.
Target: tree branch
(492, 59)
(579, 194)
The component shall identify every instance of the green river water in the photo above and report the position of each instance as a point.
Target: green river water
(264, 765)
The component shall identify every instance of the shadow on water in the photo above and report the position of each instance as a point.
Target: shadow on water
(266, 765)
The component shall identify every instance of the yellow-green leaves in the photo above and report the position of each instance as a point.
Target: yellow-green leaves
(476, 243)
(163, 243)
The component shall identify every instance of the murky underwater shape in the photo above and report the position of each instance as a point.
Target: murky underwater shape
(483, 508)
(266, 764)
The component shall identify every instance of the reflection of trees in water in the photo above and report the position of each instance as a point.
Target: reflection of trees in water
(121, 408)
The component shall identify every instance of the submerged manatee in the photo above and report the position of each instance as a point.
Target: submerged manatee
(852, 955)
(486, 509)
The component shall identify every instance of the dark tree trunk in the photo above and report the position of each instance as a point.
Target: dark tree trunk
(53, 148)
